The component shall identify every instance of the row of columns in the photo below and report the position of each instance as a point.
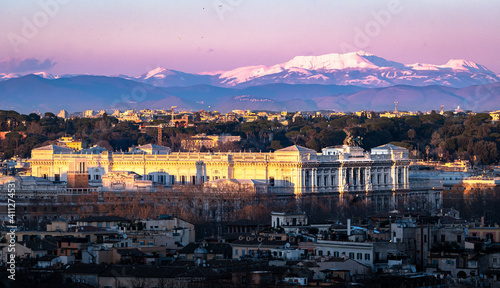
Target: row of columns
(356, 178)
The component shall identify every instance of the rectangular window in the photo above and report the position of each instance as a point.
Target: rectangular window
(57, 177)
(325, 180)
(351, 255)
(236, 252)
(459, 238)
(443, 238)
(271, 181)
(367, 256)
(425, 238)
(335, 253)
(359, 256)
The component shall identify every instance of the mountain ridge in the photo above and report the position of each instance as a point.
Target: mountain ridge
(101, 92)
(355, 68)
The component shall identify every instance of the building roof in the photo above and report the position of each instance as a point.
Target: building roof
(46, 258)
(152, 146)
(130, 252)
(91, 269)
(264, 242)
(71, 239)
(54, 148)
(211, 248)
(296, 148)
(40, 244)
(96, 149)
(390, 147)
(142, 271)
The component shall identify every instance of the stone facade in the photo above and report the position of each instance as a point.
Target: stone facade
(380, 176)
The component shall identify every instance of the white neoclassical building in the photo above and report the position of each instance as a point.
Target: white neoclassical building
(380, 175)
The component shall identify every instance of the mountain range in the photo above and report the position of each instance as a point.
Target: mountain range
(347, 82)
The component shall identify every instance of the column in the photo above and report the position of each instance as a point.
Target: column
(351, 178)
(358, 178)
(314, 180)
(406, 177)
(340, 180)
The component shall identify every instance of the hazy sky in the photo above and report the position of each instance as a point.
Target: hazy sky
(133, 37)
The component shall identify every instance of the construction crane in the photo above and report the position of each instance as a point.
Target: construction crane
(161, 126)
(160, 132)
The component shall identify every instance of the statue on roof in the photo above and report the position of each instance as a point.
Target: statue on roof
(350, 140)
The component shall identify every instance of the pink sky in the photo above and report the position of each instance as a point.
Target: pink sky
(128, 37)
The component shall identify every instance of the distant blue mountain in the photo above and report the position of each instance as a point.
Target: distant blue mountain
(29, 93)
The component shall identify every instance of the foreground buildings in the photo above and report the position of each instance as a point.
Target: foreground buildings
(381, 176)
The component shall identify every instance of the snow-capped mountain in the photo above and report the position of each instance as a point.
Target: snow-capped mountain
(162, 77)
(7, 76)
(355, 68)
(360, 69)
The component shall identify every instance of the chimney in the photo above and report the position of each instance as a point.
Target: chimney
(348, 227)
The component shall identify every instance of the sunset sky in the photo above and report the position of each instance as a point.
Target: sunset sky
(133, 37)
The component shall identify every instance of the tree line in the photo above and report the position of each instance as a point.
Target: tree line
(432, 136)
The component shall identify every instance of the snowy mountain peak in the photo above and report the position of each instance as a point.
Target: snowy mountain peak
(158, 72)
(461, 64)
(336, 61)
(422, 66)
(45, 75)
(358, 68)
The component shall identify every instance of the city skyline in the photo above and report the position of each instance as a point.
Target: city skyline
(68, 37)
